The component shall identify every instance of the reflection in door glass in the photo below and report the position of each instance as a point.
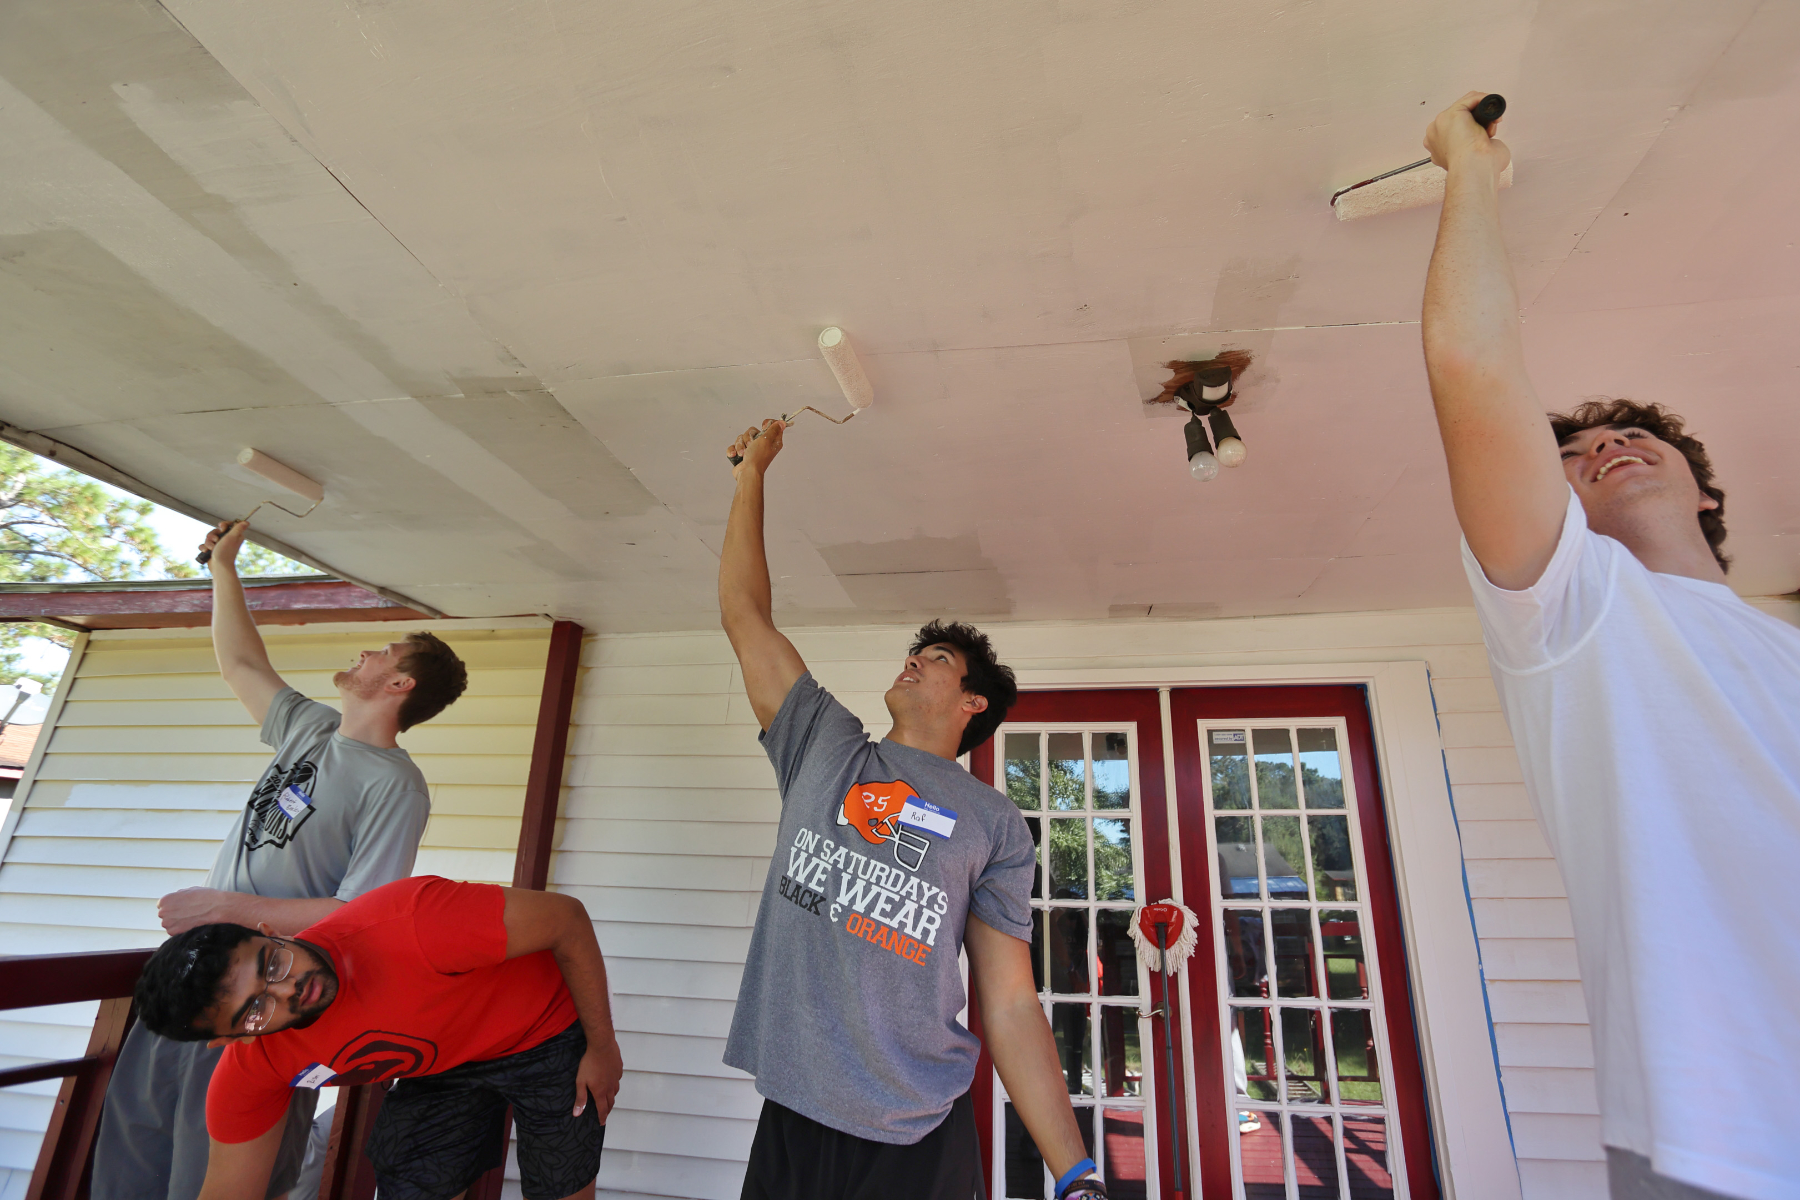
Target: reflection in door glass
(1366, 1158)
(1024, 1165)
(1321, 774)
(1068, 773)
(1126, 1175)
(1284, 858)
(1259, 1148)
(1334, 874)
(1358, 1067)
(1112, 859)
(1022, 781)
(1346, 974)
(1034, 825)
(1303, 1049)
(1121, 1065)
(1039, 948)
(1068, 950)
(1274, 769)
(1117, 953)
(1245, 963)
(1252, 1040)
(1228, 753)
(1069, 1022)
(1112, 770)
(1291, 931)
(1068, 859)
(1237, 857)
(1315, 1159)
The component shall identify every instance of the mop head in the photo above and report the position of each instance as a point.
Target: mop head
(1409, 189)
(1180, 949)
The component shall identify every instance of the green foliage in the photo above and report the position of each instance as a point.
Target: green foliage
(56, 525)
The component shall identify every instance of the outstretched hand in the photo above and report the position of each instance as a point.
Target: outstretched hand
(598, 1076)
(1453, 135)
(223, 543)
(757, 447)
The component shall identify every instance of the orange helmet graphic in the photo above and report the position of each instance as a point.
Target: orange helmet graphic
(873, 809)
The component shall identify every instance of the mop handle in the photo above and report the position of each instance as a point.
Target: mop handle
(1169, 1053)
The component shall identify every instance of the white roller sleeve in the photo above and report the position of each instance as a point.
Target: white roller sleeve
(1409, 189)
(835, 346)
(280, 474)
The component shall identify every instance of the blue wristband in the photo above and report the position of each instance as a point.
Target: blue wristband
(1075, 1172)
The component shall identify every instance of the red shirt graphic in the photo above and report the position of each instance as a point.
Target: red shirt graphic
(424, 985)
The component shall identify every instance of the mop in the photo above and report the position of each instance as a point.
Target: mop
(834, 345)
(1163, 932)
(1414, 184)
(282, 476)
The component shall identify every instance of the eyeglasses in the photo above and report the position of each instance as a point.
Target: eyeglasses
(275, 969)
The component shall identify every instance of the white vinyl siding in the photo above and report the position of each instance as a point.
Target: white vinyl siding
(150, 758)
(670, 817)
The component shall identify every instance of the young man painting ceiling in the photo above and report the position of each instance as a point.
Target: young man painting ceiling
(890, 859)
(1656, 714)
(338, 813)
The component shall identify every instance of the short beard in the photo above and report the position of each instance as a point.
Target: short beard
(328, 989)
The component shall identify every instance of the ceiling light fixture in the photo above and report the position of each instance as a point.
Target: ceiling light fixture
(1206, 389)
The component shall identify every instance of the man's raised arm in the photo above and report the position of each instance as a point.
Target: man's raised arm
(1505, 473)
(769, 662)
(243, 661)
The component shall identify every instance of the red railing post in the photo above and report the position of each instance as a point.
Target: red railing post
(65, 1160)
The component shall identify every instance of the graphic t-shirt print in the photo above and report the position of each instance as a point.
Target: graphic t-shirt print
(887, 906)
(280, 803)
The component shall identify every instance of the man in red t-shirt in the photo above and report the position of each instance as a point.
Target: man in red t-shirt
(472, 996)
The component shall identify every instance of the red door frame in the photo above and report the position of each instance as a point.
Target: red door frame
(1192, 705)
(1143, 706)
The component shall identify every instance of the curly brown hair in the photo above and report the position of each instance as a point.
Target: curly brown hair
(1658, 422)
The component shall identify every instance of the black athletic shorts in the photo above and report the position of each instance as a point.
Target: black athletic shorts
(796, 1158)
(436, 1134)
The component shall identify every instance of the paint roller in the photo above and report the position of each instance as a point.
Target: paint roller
(282, 476)
(834, 346)
(1414, 184)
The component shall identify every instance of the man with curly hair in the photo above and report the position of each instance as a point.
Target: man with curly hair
(1656, 714)
(890, 860)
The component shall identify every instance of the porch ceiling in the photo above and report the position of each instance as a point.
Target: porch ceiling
(506, 277)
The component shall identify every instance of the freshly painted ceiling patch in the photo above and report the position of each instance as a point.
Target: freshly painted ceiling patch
(1415, 184)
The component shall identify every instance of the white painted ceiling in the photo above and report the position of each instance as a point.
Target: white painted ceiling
(506, 277)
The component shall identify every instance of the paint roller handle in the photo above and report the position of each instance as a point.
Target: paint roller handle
(217, 535)
(1490, 109)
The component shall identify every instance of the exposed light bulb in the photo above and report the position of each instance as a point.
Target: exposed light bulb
(1231, 452)
(1203, 466)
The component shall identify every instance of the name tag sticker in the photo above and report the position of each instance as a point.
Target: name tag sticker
(1228, 737)
(932, 818)
(315, 1076)
(293, 802)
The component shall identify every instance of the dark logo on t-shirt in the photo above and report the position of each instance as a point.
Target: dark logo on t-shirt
(267, 824)
(380, 1054)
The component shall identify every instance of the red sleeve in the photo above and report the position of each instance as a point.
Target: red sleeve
(244, 1099)
(460, 926)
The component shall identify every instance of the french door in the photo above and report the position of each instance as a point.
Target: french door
(1297, 1069)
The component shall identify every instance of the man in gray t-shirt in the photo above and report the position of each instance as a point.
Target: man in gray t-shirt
(339, 812)
(892, 860)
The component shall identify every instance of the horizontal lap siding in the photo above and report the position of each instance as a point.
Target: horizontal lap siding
(150, 760)
(670, 816)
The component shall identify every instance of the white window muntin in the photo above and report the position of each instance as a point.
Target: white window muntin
(1265, 900)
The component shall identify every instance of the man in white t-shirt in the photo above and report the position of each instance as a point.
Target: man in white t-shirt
(1657, 718)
